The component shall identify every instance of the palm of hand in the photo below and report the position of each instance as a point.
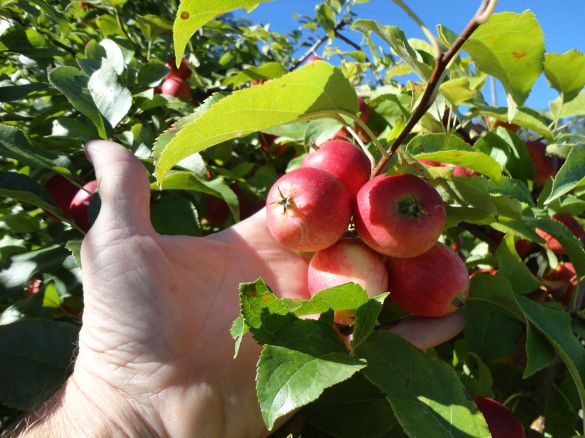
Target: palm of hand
(158, 310)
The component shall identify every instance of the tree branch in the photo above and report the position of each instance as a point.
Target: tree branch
(123, 28)
(357, 47)
(441, 64)
(16, 118)
(320, 41)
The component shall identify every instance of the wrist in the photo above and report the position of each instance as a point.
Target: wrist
(86, 407)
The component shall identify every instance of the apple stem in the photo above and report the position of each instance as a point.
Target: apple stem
(368, 131)
(458, 301)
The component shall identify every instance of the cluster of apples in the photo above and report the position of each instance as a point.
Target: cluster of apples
(73, 201)
(175, 81)
(398, 220)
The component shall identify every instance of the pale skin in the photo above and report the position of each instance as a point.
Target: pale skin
(155, 352)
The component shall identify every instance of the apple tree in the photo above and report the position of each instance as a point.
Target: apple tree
(230, 117)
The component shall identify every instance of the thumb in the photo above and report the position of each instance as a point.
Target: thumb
(123, 186)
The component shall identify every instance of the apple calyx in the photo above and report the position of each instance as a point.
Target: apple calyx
(286, 202)
(458, 301)
(410, 209)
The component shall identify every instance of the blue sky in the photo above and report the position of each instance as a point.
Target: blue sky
(562, 22)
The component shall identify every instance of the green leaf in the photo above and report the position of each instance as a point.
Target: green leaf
(175, 216)
(66, 128)
(111, 98)
(75, 247)
(366, 318)
(397, 40)
(11, 93)
(539, 352)
(426, 395)
(17, 145)
(571, 174)
(453, 150)
(193, 14)
(556, 328)
(314, 88)
(397, 129)
(352, 408)
(56, 15)
(574, 108)
(302, 360)
(555, 228)
(511, 187)
(518, 228)
(238, 330)
(74, 85)
(17, 271)
(326, 19)
(36, 357)
(153, 26)
(447, 37)
(270, 70)
(189, 181)
(565, 73)
(486, 382)
(152, 73)
(490, 333)
(264, 314)
(509, 151)
(513, 268)
(510, 47)
(456, 91)
(25, 189)
(321, 130)
(496, 291)
(525, 117)
(349, 296)
(28, 42)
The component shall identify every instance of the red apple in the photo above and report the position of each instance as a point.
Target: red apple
(501, 421)
(267, 140)
(252, 208)
(460, 171)
(183, 72)
(347, 261)
(478, 271)
(343, 160)
(217, 211)
(399, 215)
(176, 87)
(434, 283)
(522, 246)
(308, 209)
(313, 59)
(62, 191)
(80, 205)
(85, 5)
(571, 223)
(33, 288)
(430, 163)
(544, 166)
(493, 123)
(255, 82)
(564, 280)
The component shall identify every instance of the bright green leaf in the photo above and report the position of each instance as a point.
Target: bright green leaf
(571, 174)
(565, 73)
(366, 318)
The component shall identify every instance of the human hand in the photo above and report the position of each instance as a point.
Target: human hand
(155, 352)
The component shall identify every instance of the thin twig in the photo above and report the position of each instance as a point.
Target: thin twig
(123, 28)
(357, 47)
(320, 41)
(16, 118)
(441, 64)
(494, 97)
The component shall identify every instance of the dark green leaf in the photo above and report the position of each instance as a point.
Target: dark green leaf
(513, 268)
(152, 73)
(539, 352)
(301, 361)
(264, 314)
(350, 409)
(366, 318)
(17, 92)
(153, 26)
(175, 216)
(490, 333)
(17, 145)
(496, 291)
(429, 406)
(16, 272)
(36, 355)
(571, 174)
(74, 85)
(25, 189)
